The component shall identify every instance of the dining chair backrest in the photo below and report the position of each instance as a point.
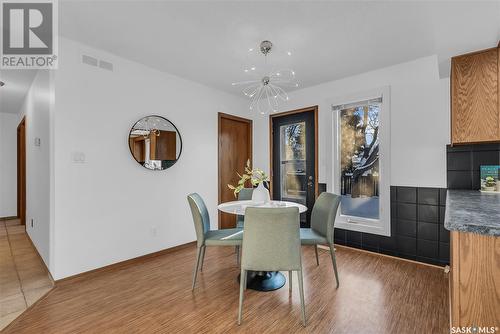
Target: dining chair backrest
(271, 239)
(201, 218)
(323, 215)
(245, 194)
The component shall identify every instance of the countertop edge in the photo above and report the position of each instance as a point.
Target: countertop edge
(464, 228)
(457, 221)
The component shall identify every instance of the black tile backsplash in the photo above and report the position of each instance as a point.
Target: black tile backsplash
(428, 213)
(464, 162)
(428, 196)
(459, 161)
(353, 239)
(405, 227)
(428, 231)
(428, 249)
(406, 245)
(406, 194)
(444, 234)
(406, 211)
(417, 227)
(459, 179)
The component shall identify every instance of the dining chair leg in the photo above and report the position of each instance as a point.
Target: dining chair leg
(245, 278)
(195, 274)
(290, 280)
(302, 303)
(316, 251)
(334, 262)
(242, 284)
(202, 260)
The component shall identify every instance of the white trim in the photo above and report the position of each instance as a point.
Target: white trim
(380, 226)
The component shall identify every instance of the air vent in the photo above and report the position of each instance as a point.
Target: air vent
(89, 60)
(105, 65)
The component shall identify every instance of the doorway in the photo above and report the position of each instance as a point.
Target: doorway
(21, 171)
(234, 149)
(294, 158)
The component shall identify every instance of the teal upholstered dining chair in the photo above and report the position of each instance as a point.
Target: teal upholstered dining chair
(271, 242)
(322, 226)
(206, 237)
(245, 194)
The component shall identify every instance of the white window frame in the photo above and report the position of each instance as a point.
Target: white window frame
(381, 226)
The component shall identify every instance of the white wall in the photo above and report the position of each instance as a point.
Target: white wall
(110, 209)
(106, 208)
(8, 164)
(419, 120)
(37, 109)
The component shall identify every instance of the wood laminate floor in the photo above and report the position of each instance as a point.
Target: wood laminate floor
(23, 277)
(377, 295)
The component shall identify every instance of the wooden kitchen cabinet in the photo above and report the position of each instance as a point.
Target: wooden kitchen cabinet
(475, 280)
(475, 109)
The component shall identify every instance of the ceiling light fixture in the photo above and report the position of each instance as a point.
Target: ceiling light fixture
(265, 92)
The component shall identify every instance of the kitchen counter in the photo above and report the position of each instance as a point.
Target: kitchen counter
(473, 211)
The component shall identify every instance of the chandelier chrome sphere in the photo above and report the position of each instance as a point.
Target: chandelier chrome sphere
(265, 93)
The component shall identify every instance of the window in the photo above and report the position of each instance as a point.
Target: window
(361, 163)
(293, 162)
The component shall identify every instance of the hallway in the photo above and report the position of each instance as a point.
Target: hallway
(23, 276)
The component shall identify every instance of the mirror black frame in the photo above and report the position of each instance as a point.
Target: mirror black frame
(176, 130)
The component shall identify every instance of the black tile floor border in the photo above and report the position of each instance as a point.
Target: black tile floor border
(417, 225)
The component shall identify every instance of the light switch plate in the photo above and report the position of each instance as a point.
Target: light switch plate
(78, 157)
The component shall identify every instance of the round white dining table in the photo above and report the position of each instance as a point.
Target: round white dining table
(239, 207)
(260, 280)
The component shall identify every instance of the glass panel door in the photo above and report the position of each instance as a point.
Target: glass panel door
(293, 162)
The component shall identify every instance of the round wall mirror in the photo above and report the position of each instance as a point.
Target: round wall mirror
(155, 143)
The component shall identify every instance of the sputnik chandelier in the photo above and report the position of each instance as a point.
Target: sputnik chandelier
(265, 92)
(147, 127)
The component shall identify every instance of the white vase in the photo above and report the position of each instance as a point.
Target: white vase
(260, 195)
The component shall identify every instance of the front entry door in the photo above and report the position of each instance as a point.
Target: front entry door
(294, 158)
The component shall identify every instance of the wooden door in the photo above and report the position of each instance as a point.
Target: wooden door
(475, 113)
(21, 171)
(138, 149)
(235, 148)
(166, 148)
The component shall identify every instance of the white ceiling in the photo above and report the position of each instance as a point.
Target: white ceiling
(17, 83)
(208, 41)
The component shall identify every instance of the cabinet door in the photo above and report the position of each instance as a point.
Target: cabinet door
(475, 279)
(474, 98)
